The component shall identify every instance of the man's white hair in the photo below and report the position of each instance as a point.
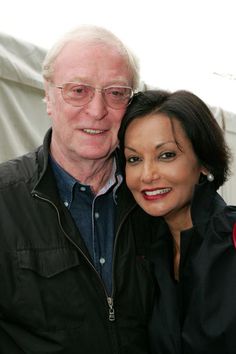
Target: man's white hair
(92, 34)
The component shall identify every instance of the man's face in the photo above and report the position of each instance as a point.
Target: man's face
(88, 132)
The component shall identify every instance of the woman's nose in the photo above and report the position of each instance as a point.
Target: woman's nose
(150, 173)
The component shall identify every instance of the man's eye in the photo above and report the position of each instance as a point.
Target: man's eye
(117, 92)
(78, 90)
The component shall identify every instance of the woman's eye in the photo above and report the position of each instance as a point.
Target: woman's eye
(168, 155)
(132, 159)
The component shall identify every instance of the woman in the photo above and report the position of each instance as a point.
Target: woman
(175, 160)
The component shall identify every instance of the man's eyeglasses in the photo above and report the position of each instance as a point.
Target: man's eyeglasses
(78, 95)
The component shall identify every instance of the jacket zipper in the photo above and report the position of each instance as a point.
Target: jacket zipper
(110, 299)
(111, 310)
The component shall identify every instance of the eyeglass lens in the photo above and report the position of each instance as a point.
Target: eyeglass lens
(79, 95)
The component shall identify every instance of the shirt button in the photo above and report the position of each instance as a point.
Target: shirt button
(66, 203)
(102, 260)
(96, 215)
(83, 189)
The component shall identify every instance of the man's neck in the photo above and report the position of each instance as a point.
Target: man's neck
(94, 173)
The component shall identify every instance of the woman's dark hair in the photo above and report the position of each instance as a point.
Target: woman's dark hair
(197, 121)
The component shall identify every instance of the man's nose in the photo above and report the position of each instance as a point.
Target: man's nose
(97, 107)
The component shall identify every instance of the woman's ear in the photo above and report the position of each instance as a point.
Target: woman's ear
(209, 175)
(203, 174)
(204, 171)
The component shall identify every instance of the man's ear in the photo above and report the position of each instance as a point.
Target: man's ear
(47, 99)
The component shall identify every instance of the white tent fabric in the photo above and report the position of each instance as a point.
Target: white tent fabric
(23, 118)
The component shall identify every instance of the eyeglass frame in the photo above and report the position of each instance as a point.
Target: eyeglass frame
(101, 90)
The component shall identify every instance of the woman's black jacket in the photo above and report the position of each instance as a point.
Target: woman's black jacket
(197, 315)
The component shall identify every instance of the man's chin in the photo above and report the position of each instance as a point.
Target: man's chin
(96, 155)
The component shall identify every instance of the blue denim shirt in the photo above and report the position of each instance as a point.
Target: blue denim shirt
(94, 216)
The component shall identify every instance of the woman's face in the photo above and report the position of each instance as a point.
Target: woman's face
(160, 174)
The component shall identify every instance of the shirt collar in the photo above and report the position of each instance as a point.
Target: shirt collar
(66, 182)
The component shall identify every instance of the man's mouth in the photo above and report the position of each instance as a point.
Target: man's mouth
(93, 131)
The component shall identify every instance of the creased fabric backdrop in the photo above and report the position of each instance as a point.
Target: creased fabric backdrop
(23, 117)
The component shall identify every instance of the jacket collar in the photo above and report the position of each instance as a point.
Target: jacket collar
(46, 184)
(205, 202)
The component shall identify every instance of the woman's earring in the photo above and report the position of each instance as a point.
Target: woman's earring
(210, 177)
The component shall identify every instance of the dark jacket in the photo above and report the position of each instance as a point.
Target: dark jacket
(52, 299)
(198, 314)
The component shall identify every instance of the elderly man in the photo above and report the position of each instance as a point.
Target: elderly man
(74, 278)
